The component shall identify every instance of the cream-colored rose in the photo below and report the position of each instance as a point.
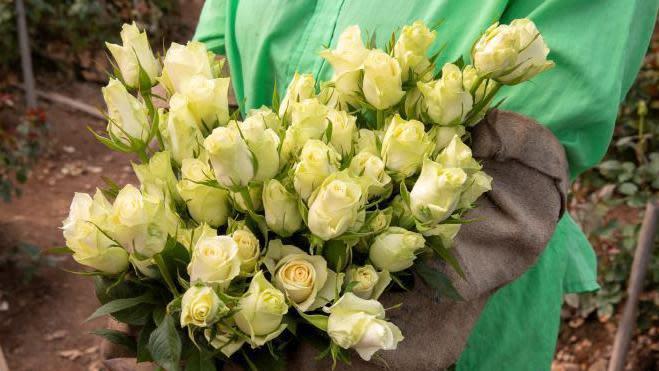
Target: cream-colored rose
(378, 221)
(281, 210)
(511, 54)
(215, 260)
(90, 246)
(382, 84)
(369, 141)
(347, 60)
(404, 146)
(395, 249)
(371, 169)
(303, 86)
(411, 50)
(182, 62)
(359, 324)
(134, 52)
(264, 145)
(157, 177)
(208, 101)
(206, 204)
(253, 204)
(232, 160)
(317, 161)
(335, 205)
(200, 306)
(249, 249)
(369, 283)
(302, 277)
(260, 311)
(457, 154)
(265, 115)
(344, 131)
(309, 121)
(436, 193)
(226, 339)
(188, 237)
(441, 136)
(446, 99)
(179, 130)
(476, 184)
(128, 118)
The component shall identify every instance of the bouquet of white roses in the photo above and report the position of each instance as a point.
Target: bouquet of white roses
(290, 224)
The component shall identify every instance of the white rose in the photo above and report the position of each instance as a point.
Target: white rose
(303, 86)
(182, 62)
(404, 146)
(200, 306)
(511, 53)
(317, 161)
(359, 324)
(206, 204)
(128, 119)
(411, 49)
(135, 52)
(253, 204)
(458, 154)
(226, 339)
(436, 193)
(208, 101)
(249, 249)
(261, 310)
(371, 168)
(304, 278)
(443, 135)
(265, 115)
(369, 140)
(157, 177)
(347, 60)
(395, 249)
(90, 246)
(281, 210)
(382, 84)
(370, 284)
(230, 156)
(180, 134)
(344, 131)
(477, 184)
(335, 205)
(309, 121)
(264, 145)
(446, 99)
(215, 260)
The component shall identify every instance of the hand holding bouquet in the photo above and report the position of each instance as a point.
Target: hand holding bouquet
(289, 224)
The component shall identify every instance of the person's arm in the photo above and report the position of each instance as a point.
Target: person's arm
(211, 27)
(598, 47)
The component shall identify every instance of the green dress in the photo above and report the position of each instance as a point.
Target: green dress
(597, 46)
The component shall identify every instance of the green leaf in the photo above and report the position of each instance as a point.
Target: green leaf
(404, 193)
(116, 337)
(436, 244)
(197, 362)
(143, 354)
(120, 304)
(165, 345)
(318, 320)
(437, 280)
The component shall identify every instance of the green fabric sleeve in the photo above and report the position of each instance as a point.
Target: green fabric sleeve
(212, 24)
(598, 47)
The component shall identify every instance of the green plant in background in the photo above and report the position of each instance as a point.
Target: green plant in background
(69, 27)
(20, 145)
(609, 200)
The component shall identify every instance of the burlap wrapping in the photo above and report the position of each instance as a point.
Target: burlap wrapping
(518, 216)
